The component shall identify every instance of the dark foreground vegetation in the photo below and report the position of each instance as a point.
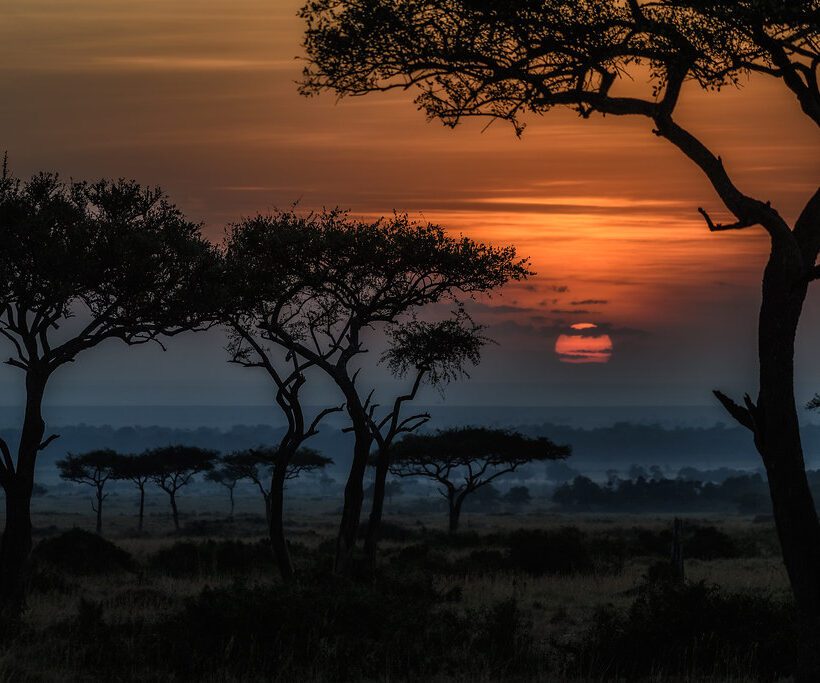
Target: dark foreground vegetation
(474, 606)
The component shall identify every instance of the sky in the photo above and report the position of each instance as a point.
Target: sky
(199, 96)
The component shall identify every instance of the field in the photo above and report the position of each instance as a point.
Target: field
(527, 596)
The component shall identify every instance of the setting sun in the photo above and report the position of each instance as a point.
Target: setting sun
(580, 344)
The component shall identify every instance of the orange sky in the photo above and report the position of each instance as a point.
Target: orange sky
(199, 97)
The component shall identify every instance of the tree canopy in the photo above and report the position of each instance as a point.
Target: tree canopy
(506, 58)
(467, 459)
(117, 255)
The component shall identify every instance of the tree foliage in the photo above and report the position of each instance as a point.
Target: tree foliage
(507, 58)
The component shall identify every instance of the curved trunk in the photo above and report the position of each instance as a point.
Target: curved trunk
(276, 524)
(16, 544)
(354, 489)
(374, 524)
(777, 437)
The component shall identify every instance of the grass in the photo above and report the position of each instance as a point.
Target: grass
(466, 609)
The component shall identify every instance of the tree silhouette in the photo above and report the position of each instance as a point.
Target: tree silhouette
(116, 255)
(225, 474)
(260, 295)
(173, 467)
(435, 353)
(94, 468)
(262, 466)
(518, 496)
(138, 469)
(466, 459)
(345, 277)
(505, 60)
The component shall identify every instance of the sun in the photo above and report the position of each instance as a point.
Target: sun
(583, 344)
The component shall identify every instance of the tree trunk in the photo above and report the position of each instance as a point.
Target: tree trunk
(99, 512)
(16, 547)
(174, 510)
(142, 509)
(276, 523)
(374, 524)
(354, 489)
(230, 491)
(455, 503)
(777, 437)
(16, 544)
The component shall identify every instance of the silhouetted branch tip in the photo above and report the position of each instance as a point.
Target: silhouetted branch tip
(742, 415)
(719, 227)
(45, 443)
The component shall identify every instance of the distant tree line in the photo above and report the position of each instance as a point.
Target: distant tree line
(741, 493)
(172, 468)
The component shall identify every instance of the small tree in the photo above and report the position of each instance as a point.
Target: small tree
(118, 258)
(256, 465)
(435, 353)
(94, 469)
(173, 467)
(225, 474)
(464, 460)
(138, 469)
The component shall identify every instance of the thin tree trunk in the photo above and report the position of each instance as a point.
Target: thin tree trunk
(16, 543)
(455, 511)
(142, 509)
(99, 512)
(777, 437)
(276, 522)
(174, 510)
(354, 494)
(230, 491)
(374, 524)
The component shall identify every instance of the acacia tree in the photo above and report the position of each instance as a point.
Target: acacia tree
(94, 469)
(173, 467)
(264, 467)
(507, 59)
(464, 460)
(225, 474)
(121, 258)
(348, 277)
(431, 352)
(263, 289)
(137, 469)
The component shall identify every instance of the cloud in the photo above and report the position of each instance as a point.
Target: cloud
(589, 302)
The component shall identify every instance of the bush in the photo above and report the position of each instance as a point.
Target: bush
(700, 542)
(81, 553)
(691, 630)
(344, 631)
(389, 531)
(211, 557)
(538, 551)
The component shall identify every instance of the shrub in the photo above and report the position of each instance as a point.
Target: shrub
(691, 630)
(539, 551)
(211, 557)
(389, 531)
(82, 553)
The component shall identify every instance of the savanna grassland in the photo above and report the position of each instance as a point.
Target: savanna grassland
(527, 596)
